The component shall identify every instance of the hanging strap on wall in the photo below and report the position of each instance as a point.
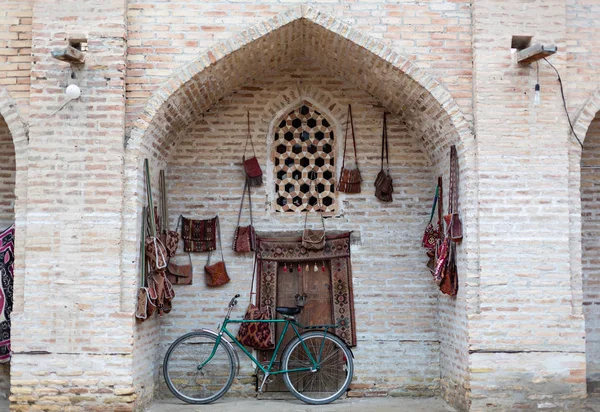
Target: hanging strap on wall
(248, 138)
(220, 245)
(350, 123)
(384, 145)
(246, 188)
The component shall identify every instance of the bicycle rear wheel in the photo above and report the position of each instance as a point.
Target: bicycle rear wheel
(334, 372)
(188, 379)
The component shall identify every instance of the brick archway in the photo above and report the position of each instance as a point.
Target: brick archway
(18, 131)
(587, 181)
(303, 32)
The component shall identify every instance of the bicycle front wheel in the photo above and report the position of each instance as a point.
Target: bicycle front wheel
(188, 374)
(333, 374)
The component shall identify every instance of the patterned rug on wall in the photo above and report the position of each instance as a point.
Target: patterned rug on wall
(7, 258)
(271, 252)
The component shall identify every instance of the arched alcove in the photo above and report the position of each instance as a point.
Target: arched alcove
(13, 141)
(590, 249)
(195, 102)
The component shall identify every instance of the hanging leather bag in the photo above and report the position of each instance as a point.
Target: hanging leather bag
(179, 274)
(251, 165)
(257, 335)
(449, 283)
(244, 238)
(350, 179)
(216, 274)
(383, 182)
(455, 223)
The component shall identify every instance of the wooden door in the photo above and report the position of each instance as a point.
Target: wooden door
(317, 286)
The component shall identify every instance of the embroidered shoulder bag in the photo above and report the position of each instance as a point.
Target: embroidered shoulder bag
(257, 335)
(199, 235)
(383, 182)
(349, 178)
(433, 234)
(244, 237)
(251, 165)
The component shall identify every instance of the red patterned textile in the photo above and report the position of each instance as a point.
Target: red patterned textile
(271, 252)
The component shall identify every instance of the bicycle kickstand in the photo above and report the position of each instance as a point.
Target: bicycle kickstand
(260, 390)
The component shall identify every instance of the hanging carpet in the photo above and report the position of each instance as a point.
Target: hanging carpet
(273, 251)
(7, 258)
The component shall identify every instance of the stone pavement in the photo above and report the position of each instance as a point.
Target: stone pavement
(226, 404)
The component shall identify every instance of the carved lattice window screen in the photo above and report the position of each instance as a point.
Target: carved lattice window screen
(304, 160)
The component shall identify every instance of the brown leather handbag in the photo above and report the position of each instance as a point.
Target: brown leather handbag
(350, 179)
(244, 238)
(383, 182)
(257, 335)
(449, 284)
(216, 274)
(251, 165)
(180, 274)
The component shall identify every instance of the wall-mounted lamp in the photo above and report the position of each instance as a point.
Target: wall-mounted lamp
(73, 92)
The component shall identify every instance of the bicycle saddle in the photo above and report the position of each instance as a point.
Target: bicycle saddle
(288, 311)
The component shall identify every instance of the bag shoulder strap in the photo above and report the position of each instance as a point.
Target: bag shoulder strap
(220, 245)
(384, 145)
(440, 203)
(350, 123)
(248, 138)
(435, 199)
(320, 206)
(246, 188)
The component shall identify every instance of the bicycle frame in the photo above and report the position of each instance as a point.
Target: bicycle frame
(268, 371)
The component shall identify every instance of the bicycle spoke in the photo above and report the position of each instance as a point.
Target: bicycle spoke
(334, 368)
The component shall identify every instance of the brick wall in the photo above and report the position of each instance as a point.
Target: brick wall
(528, 300)
(204, 178)
(70, 324)
(591, 270)
(165, 35)
(15, 50)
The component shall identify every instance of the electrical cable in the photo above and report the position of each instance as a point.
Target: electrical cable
(562, 93)
(51, 114)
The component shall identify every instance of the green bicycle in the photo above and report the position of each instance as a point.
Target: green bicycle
(317, 366)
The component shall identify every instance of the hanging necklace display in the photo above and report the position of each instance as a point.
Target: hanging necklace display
(251, 165)
(383, 181)
(349, 178)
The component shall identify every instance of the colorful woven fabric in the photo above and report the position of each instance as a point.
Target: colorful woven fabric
(7, 258)
(270, 252)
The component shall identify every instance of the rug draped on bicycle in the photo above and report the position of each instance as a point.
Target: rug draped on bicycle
(271, 252)
(7, 258)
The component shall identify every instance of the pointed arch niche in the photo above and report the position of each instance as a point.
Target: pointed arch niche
(588, 126)
(194, 127)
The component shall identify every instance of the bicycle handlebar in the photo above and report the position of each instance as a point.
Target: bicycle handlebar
(233, 301)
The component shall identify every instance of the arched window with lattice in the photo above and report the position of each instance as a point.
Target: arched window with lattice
(304, 158)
